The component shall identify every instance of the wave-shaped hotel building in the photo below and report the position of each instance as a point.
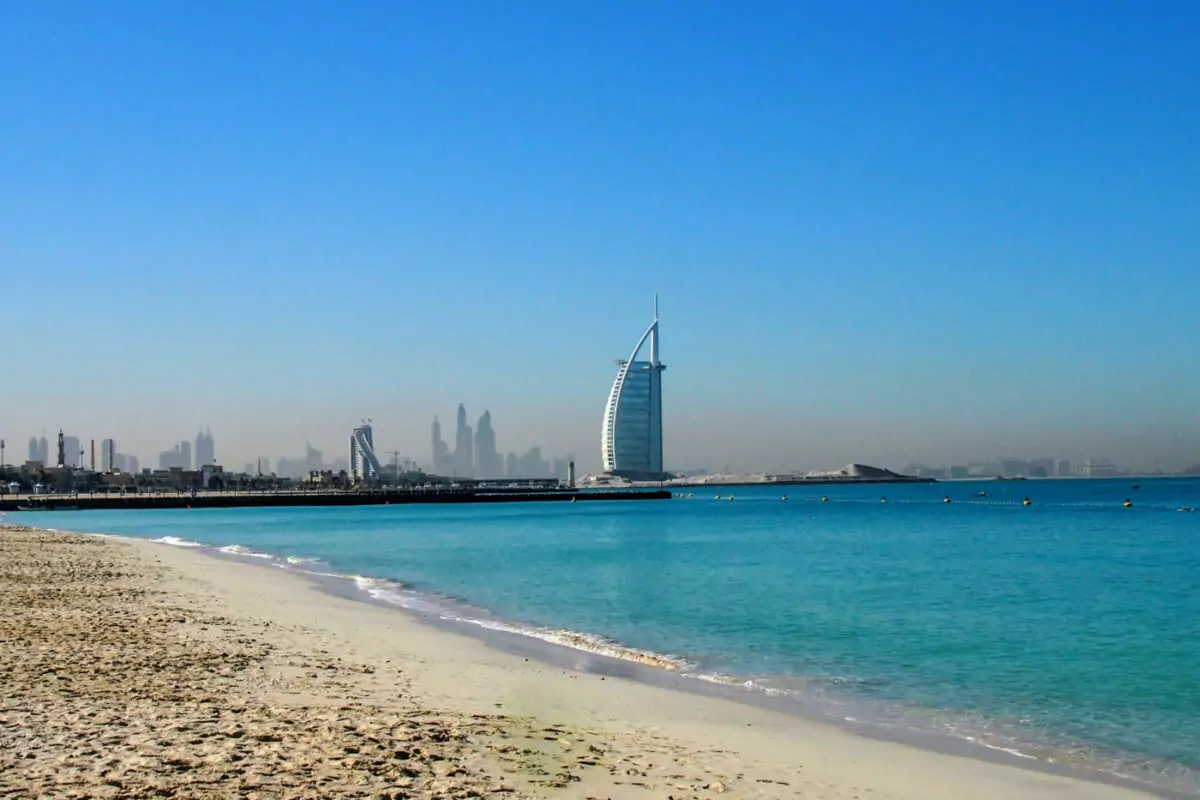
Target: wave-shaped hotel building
(632, 441)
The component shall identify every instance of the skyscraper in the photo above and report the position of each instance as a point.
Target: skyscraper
(314, 459)
(631, 440)
(206, 449)
(44, 451)
(34, 453)
(443, 463)
(178, 457)
(487, 461)
(363, 463)
(107, 462)
(72, 454)
(463, 451)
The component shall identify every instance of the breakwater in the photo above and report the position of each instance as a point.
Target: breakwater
(159, 500)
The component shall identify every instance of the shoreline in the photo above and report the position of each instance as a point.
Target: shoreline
(664, 699)
(108, 501)
(670, 673)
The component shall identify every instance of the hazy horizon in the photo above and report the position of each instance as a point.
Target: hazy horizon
(880, 234)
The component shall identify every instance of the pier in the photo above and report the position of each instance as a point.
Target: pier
(268, 499)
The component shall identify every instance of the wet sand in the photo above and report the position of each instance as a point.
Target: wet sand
(130, 669)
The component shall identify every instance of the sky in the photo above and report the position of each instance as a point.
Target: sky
(880, 231)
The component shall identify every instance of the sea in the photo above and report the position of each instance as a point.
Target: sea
(1061, 631)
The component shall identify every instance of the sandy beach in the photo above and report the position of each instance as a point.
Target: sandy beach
(130, 669)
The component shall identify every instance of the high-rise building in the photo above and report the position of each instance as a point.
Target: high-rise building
(363, 463)
(72, 452)
(530, 465)
(206, 449)
(131, 465)
(631, 439)
(34, 453)
(440, 453)
(107, 453)
(178, 457)
(44, 451)
(464, 461)
(487, 461)
(1041, 468)
(314, 459)
(561, 467)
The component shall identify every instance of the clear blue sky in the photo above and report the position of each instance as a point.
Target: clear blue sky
(881, 231)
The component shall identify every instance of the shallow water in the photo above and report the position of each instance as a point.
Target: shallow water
(1067, 630)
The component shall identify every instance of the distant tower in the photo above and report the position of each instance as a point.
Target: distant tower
(487, 460)
(92, 449)
(34, 453)
(363, 462)
(463, 450)
(62, 454)
(632, 442)
(205, 449)
(443, 464)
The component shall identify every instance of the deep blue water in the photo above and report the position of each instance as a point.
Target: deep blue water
(1068, 629)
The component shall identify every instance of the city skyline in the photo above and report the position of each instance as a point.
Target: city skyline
(530, 463)
(884, 233)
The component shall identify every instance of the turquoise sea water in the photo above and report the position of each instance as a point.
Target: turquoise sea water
(1067, 630)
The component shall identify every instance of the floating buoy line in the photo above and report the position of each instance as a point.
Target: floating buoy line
(978, 499)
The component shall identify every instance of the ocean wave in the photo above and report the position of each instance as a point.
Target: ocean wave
(241, 550)
(176, 541)
(586, 642)
(396, 594)
(1010, 750)
(297, 561)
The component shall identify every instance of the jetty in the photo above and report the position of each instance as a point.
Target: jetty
(326, 497)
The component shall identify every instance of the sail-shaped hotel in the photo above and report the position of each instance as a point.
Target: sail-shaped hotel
(632, 442)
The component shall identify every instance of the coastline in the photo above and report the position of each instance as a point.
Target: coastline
(624, 736)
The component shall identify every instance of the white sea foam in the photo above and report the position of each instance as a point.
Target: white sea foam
(1010, 750)
(588, 643)
(175, 541)
(738, 682)
(395, 594)
(298, 560)
(240, 550)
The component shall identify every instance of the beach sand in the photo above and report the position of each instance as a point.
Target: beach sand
(130, 669)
